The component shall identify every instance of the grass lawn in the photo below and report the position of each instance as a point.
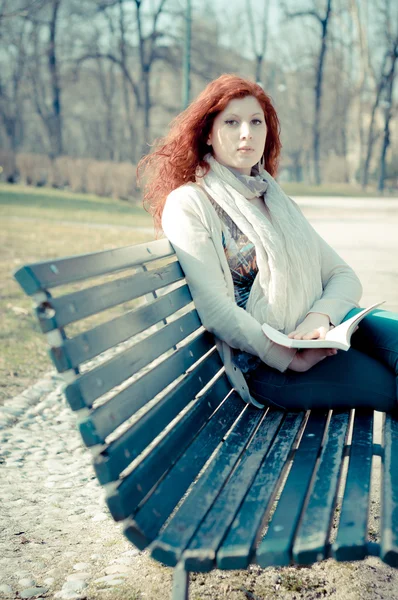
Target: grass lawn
(56, 205)
(330, 189)
(23, 357)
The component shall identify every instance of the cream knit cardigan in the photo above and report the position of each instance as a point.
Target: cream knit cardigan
(193, 227)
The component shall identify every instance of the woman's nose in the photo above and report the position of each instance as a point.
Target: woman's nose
(245, 131)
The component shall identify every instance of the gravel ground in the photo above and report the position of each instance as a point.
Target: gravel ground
(58, 540)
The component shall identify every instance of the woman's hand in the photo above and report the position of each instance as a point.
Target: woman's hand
(314, 327)
(305, 359)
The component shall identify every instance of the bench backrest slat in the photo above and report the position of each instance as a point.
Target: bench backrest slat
(157, 388)
(49, 274)
(91, 343)
(117, 456)
(104, 419)
(101, 379)
(80, 305)
(123, 502)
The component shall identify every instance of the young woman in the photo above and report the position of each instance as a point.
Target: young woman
(250, 256)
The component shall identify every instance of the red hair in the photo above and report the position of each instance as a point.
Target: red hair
(177, 156)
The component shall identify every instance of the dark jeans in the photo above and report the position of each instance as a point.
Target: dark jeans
(364, 376)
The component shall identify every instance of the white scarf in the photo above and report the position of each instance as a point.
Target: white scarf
(288, 259)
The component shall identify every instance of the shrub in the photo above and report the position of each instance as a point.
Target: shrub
(335, 169)
(34, 169)
(80, 175)
(8, 168)
(123, 180)
(98, 178)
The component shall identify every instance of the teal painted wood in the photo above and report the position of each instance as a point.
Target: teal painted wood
(312, 540)
(93, 384)
(84, 303)
(148, 520)
(106, 418)
(276, 546)
(237, 549)
(351, 539)
(389, 493)
(180, 584)
(194, 437)
(116, 457)
(201, 552)
(89, 344)
(168, 547)
(49, 274)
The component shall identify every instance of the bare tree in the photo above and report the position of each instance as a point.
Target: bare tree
(259, 49)
(12, 94)
(383, 72)
(323, 21)
(46, 82)
(147, 52)
(10, 8)
(388, 112)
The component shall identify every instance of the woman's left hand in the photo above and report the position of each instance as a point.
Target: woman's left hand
(314, 327)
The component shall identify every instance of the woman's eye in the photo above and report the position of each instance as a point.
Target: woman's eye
(257, 121)
(231, 121)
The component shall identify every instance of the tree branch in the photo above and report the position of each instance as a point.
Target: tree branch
(304, 13)
(24, 12)
(111, 57)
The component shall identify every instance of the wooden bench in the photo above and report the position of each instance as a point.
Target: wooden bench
(195, 474)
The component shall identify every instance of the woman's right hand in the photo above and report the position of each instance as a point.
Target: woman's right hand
(307, 358)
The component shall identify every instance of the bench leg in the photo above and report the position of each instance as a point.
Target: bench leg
(180, 583)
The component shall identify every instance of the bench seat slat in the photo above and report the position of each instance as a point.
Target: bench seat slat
(49, 274)
(238, 547)
(106, 418)
(200, 554)
(89, 344)
(276, 546)
(110, 463)
(93, 384)
(312, 539)
(135, 486)
(389, 493)
(84, 303)
(168, 547)
(351, 539)
(183, 473)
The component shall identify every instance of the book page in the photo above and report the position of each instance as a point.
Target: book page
(344, 331)
(338, 337)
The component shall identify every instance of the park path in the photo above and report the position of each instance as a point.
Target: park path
(58, 540)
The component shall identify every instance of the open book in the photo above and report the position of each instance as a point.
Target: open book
(338, 337)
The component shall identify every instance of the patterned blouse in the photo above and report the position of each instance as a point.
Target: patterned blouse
(242, 260)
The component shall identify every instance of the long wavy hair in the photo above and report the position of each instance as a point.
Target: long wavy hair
(176, 157)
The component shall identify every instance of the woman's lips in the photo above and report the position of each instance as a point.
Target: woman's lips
(246, 150)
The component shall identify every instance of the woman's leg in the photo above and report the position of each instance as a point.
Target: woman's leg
(347, 380)
(377, 336)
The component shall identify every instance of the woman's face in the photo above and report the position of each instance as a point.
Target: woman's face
(238, 134)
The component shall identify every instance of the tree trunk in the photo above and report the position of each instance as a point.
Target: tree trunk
(54, 121)
(318, 96)
(371, 136)
(126, 97)
(388, 114)
(145, 72)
